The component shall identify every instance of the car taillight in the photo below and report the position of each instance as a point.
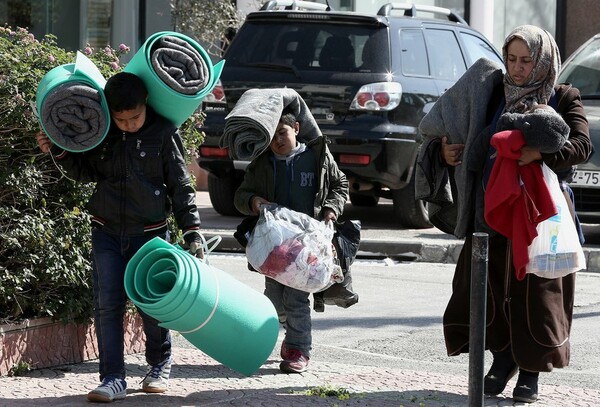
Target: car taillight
(382, 98)
(217, 95)
(377, 96)
(356, 159)
(214, 152)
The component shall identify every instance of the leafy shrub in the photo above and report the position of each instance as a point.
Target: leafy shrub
(45, 248)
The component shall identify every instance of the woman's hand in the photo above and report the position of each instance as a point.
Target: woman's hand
(43, 142)
(529, 155)
(451, 153)
(256, 202)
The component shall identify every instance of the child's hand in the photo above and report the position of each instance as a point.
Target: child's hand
(256, 202)
(196, 250)
(43, 142)
(193, 244)
(328, 215)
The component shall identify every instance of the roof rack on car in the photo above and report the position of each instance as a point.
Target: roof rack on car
(294, 5)
(410, 10)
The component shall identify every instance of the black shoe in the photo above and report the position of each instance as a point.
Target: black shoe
(318, 303)
(526, 390)
(340, 295)
(495, 381)
(343, 302)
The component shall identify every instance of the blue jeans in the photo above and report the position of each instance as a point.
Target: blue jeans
(111, 254)
(293, 310)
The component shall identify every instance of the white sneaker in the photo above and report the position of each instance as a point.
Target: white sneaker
(112, 388)
(157, 378)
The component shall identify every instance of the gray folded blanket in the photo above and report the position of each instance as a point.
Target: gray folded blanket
(251, 124)
(459, 114)
(73, 116)
(179, 65)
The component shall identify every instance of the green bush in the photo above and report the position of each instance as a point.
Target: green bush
(45, 249)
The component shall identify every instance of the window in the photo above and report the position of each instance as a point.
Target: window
(414, 55)
(74, 23)
(97, 28)
(583, 71)
(324, 47)
(477, 48)
(446, 58)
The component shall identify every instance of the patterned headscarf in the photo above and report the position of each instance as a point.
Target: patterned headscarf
(546, 64)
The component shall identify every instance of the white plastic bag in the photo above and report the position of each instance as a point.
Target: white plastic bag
(556, 250)
(293, 249)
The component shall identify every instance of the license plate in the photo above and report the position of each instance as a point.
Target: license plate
(320, 113)
(213, 107)
(586, 178)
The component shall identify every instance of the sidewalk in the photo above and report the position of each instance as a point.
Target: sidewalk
(198, 380)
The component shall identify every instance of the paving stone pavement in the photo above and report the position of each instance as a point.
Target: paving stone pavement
(198, 380)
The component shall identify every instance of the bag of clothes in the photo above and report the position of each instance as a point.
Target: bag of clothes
(293, 249)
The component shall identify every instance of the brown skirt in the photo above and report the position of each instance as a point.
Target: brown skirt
(532, 316)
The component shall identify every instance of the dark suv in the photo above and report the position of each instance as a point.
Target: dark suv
(367, 79)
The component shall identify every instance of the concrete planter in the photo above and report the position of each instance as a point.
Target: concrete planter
(200, 174)
(44, 343)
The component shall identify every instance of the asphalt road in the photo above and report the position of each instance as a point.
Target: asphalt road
(397, 322)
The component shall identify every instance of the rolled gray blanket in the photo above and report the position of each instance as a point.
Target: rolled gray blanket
(73, 116)
(250, 125)
(179, 65)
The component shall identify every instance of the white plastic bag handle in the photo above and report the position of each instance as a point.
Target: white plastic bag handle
(215, 240)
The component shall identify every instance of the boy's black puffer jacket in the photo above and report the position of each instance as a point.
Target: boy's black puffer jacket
(140, 177)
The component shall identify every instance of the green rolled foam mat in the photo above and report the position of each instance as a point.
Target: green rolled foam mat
(82, 70)
(169, 103)
(229, 321)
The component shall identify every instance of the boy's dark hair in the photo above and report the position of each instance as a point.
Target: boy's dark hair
(125, 91)
(288, 117)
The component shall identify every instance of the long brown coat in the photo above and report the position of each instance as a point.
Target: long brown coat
(532, 316)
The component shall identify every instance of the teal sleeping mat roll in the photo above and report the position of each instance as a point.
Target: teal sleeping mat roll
(177, 72)
(229, 321)
(71, 106)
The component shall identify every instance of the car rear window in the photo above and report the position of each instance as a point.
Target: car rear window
(309, 46)
(583, 71)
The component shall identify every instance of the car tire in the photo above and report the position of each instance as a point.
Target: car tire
(221, 191)
(363, 200)
(409, 212)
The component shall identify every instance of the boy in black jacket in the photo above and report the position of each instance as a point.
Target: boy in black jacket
(140, 175)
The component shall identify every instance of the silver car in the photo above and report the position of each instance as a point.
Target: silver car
(582, 69)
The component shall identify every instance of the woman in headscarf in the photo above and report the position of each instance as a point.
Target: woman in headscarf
(528, 319)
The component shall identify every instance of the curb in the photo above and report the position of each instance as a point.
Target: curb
(429, 251)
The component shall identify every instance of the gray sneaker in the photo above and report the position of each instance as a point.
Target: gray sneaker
(157, 378)
(111, 389)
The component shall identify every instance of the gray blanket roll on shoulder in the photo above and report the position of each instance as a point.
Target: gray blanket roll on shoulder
(73, 116)
(250, 125)
(179, 65)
